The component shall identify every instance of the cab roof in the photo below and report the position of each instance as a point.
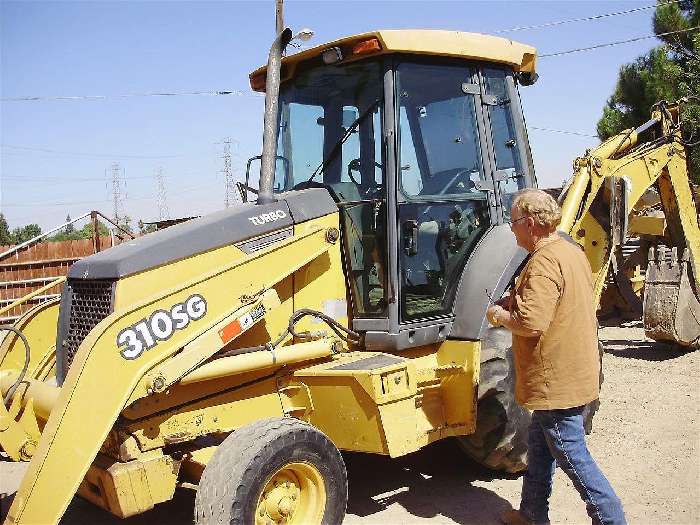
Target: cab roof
(470, 46)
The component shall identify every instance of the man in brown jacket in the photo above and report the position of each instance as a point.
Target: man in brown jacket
(551, 315)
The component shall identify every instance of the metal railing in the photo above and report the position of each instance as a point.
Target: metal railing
(32, 295)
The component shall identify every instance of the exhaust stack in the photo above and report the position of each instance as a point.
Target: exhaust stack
(272, 89)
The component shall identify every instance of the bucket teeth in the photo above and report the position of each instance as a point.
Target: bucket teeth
(661, 254)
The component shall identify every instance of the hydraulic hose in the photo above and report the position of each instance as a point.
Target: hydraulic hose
(27, 355)
(344, 333)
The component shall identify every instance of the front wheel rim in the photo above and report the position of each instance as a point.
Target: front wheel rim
(294, 494)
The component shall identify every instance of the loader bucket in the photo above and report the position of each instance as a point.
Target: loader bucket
(671, 307)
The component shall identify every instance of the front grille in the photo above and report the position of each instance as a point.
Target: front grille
(88, 303)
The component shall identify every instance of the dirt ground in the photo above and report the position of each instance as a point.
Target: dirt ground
(646, 439)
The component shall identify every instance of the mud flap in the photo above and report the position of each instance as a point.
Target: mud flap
(671, 306)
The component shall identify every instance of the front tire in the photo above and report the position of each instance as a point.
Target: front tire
(278, 470)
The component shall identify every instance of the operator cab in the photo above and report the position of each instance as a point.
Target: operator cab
(419, 137)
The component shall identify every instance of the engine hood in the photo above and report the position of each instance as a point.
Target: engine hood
(206, 233)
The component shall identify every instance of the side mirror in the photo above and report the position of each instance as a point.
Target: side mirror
(619, 209)
(252, 178)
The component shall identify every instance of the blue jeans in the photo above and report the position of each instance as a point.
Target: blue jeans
(556, 437)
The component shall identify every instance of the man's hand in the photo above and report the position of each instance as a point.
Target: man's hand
(494, 314)
(499, 316)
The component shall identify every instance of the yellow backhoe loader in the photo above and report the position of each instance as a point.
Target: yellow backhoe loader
(343, 309)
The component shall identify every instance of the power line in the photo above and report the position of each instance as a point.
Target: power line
(610, 44)
(132, 95)
(564, 132)
(93, 201)
(583, 19)
(99, 155)
(64, 179)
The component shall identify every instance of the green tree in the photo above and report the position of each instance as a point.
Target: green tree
(668, 72)
(69, 227)
(5, 235)
(146, 228)
(68, 233)
(86, 231)
(24, 233)
(125, 223)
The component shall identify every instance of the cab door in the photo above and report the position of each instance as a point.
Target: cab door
(444, 194)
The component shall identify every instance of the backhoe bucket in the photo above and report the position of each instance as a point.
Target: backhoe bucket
(671, 307)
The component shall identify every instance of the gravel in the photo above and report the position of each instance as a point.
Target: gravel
(646, 439)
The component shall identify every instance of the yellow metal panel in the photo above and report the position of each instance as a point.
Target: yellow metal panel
(392, 409)
(458, 44)
(39, 327)
(220, 413)
(320, 285)
(459, 384)
(155, 280)
(647, 225)
(687, 211)
(126, 489)
(346, 413)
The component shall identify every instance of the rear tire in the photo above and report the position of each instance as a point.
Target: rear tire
(500, 439)
(278, 470)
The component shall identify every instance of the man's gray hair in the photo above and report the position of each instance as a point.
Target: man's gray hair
(540, 206)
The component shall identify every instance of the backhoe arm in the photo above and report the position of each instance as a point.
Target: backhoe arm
(608, 182)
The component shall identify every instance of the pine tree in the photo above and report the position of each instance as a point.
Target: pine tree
(69, 229)
(668, 72)
(5, 235)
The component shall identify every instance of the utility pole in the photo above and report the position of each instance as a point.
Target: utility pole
(163, 212)
(116, 190)
(229, 186)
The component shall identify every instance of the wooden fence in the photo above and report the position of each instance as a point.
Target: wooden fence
(35, 266)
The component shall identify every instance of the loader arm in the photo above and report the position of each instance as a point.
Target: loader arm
(102, 379)
(607, 183)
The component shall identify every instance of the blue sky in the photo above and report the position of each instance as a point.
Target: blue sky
(55, 154)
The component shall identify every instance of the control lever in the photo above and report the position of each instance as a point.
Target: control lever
(410, 232)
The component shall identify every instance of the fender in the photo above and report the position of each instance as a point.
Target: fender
(496, 259)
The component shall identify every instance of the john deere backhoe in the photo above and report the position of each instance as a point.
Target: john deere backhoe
(343, 309)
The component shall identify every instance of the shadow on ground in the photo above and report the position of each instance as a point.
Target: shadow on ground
(645, 350)
(436, 482)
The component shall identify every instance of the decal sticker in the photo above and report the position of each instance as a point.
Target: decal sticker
(241, 324)
(264, 218)
(159, 326)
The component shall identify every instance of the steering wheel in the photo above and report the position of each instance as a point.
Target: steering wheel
(306, 184)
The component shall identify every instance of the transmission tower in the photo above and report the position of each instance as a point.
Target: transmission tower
(230, 190)
(116, 176)
(163, 212)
